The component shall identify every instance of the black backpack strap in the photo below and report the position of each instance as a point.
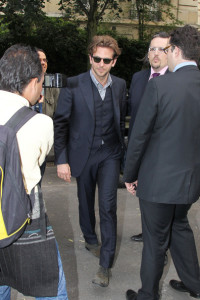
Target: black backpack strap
(42, 215)
(20, 118)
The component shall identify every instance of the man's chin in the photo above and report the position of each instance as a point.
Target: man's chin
(155, 66)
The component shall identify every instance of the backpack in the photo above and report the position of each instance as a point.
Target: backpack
(15, 203)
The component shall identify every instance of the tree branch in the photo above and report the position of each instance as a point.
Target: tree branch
(82, 6)
(103, 9)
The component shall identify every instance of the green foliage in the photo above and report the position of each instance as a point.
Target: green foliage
(66, 47)
(131, 59)
(93, 10)
(64, 44)
(96, 8)
(154, 11)
(21, 16)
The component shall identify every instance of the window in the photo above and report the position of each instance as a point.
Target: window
(150, 12)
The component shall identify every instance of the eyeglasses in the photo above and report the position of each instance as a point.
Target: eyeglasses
(153, 49)
(166, 49)
(97, 59)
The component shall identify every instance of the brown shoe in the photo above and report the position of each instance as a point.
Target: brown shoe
(102, 277)
(93, 248)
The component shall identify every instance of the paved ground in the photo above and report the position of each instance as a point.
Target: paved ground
(80, 266)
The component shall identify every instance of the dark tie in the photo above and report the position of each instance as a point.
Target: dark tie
(155, 74)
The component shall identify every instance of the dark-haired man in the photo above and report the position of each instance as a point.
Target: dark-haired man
(89, 126)
(43, 59)
(31, 265)
(163, 155)
(157, 60)
(48, 101)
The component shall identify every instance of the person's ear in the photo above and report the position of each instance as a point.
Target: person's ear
(114, 61)
(90, 57)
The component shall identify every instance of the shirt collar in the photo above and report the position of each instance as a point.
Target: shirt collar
(13, 96)
(162, 71)
(183, 64)
(98, 84)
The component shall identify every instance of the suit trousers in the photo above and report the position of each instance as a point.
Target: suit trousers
(102, 169)
(166, 226)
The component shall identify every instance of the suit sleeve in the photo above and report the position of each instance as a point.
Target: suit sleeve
(61, 126)
(131, 103)
(130, 94)
(123, 111)
(141, 132)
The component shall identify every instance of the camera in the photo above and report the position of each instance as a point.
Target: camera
(56, 80)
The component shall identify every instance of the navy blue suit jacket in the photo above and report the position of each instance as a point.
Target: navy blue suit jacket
(136, 91)
(74, 120)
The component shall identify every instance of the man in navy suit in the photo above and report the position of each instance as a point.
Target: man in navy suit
(163, 157)
(89, 129)
(158, 62)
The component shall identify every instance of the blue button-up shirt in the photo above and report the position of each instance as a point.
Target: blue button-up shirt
(100, 87)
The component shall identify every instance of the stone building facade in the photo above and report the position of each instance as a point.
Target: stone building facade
(187, 11)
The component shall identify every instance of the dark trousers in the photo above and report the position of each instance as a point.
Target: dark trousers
(102, 169)
(166, 226)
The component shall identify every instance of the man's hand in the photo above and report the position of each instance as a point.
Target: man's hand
(131, 187)
(41, 100)
(64, 172)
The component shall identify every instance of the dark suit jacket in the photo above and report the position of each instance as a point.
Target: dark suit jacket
(136, 91)
(74, 120)
(164, 147)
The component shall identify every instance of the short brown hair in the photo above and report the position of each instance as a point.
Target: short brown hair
(187, 38)
(161, 34)
(104, 41)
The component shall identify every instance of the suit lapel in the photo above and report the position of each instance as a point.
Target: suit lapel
(86, 88)
(146, 77)
(115, 99)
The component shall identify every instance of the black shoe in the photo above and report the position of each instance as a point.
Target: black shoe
(166, 260)
(179, 286)
(137, 238)
(131, 295)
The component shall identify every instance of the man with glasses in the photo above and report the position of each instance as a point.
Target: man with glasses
(89, 126)
(42, 56)
(48, 101)
(157, 59)
(164, 156)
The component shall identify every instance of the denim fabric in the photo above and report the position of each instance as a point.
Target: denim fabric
(38, 107)
(62, 291)
(4, 292)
